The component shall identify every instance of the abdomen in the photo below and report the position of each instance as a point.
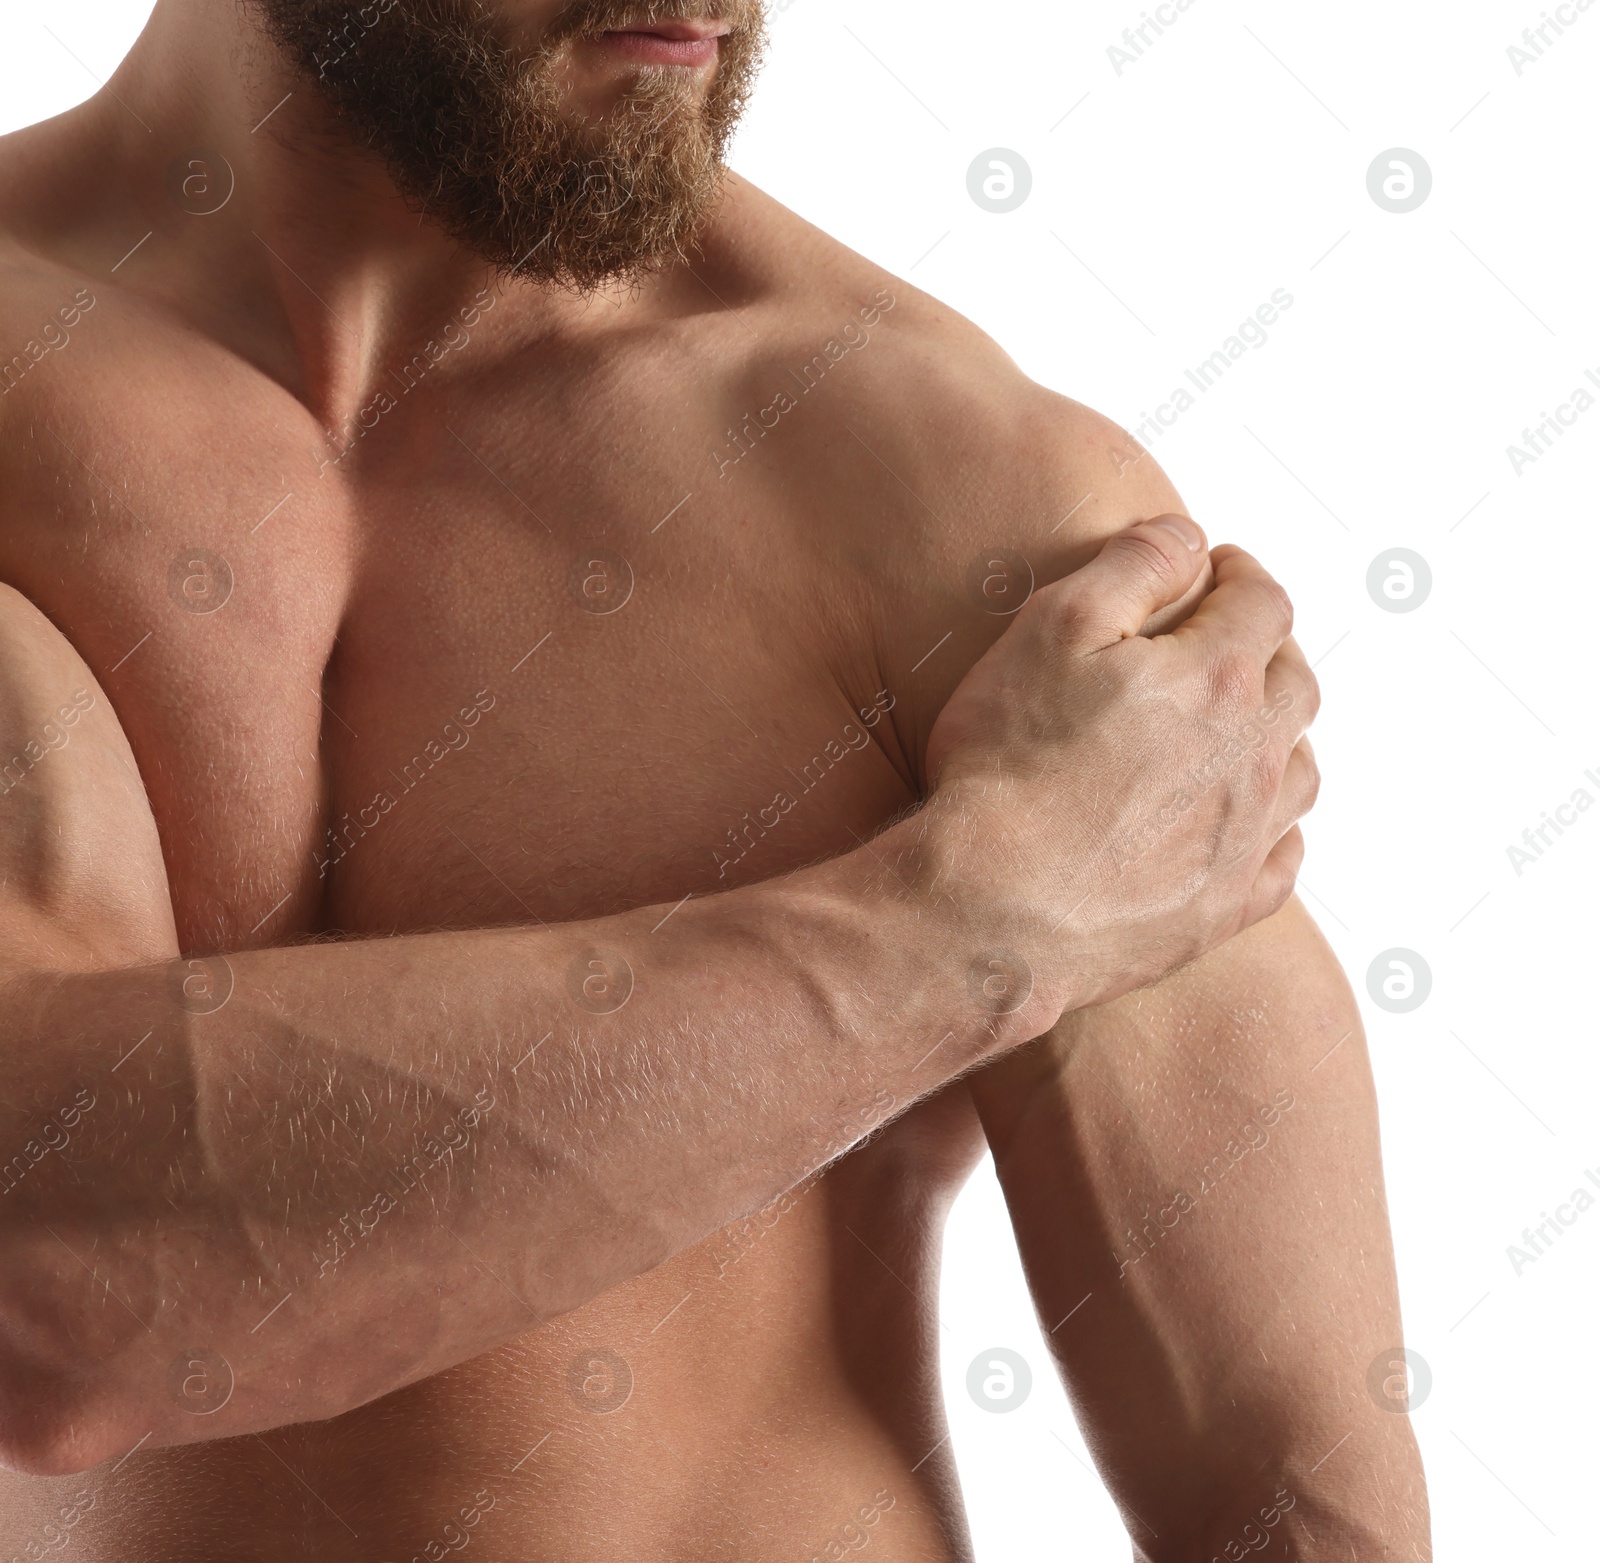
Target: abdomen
(771, 1393)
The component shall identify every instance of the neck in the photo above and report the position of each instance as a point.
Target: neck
(313, 268)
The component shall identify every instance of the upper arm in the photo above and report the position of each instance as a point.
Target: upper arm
(82, 881)
(1193, 1176)
(1193, 1171)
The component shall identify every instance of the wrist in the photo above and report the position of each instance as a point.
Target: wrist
(982, 946)
(980, 879)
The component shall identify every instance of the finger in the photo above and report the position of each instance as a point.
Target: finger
(1292, 694)
(1247, 610)
(1138, 572)
(1297, 795)
(1275, 882)
(1289, 801)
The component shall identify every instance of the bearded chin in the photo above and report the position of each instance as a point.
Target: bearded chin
(482, 144)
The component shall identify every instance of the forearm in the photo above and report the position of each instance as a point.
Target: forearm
(1197, 1166)
(415, 1148)
(240, 1159)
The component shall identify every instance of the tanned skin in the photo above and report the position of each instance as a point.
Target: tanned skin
(551, 1342)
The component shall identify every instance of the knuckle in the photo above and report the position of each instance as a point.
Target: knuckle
(1046, 601)
(1059, 616)
(1265, 775)
(1234, 679)
(1141, 550)
(1309, 697)
(1059, 604)
(1313, 789)
(1279, 887)
(1277, 606)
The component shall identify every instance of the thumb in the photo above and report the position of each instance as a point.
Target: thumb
(1138, 572)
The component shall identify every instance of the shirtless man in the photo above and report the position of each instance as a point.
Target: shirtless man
(571, 658)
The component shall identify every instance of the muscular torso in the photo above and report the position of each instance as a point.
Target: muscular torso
(379, 695)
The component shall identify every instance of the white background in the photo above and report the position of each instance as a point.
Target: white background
(1168, 202)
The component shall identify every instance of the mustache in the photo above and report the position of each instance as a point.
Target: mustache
(590, 18)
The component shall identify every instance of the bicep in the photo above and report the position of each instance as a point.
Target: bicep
(82, 881)
(1193, 1176)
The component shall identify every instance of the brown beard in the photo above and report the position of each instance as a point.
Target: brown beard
(484, 145)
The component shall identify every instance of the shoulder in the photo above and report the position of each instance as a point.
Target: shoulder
(42, 299)
(943, 481)
(42, 303)
(57, 183)
(42, 310)
(1016, 486)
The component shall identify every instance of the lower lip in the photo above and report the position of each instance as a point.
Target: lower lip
(651, 49)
